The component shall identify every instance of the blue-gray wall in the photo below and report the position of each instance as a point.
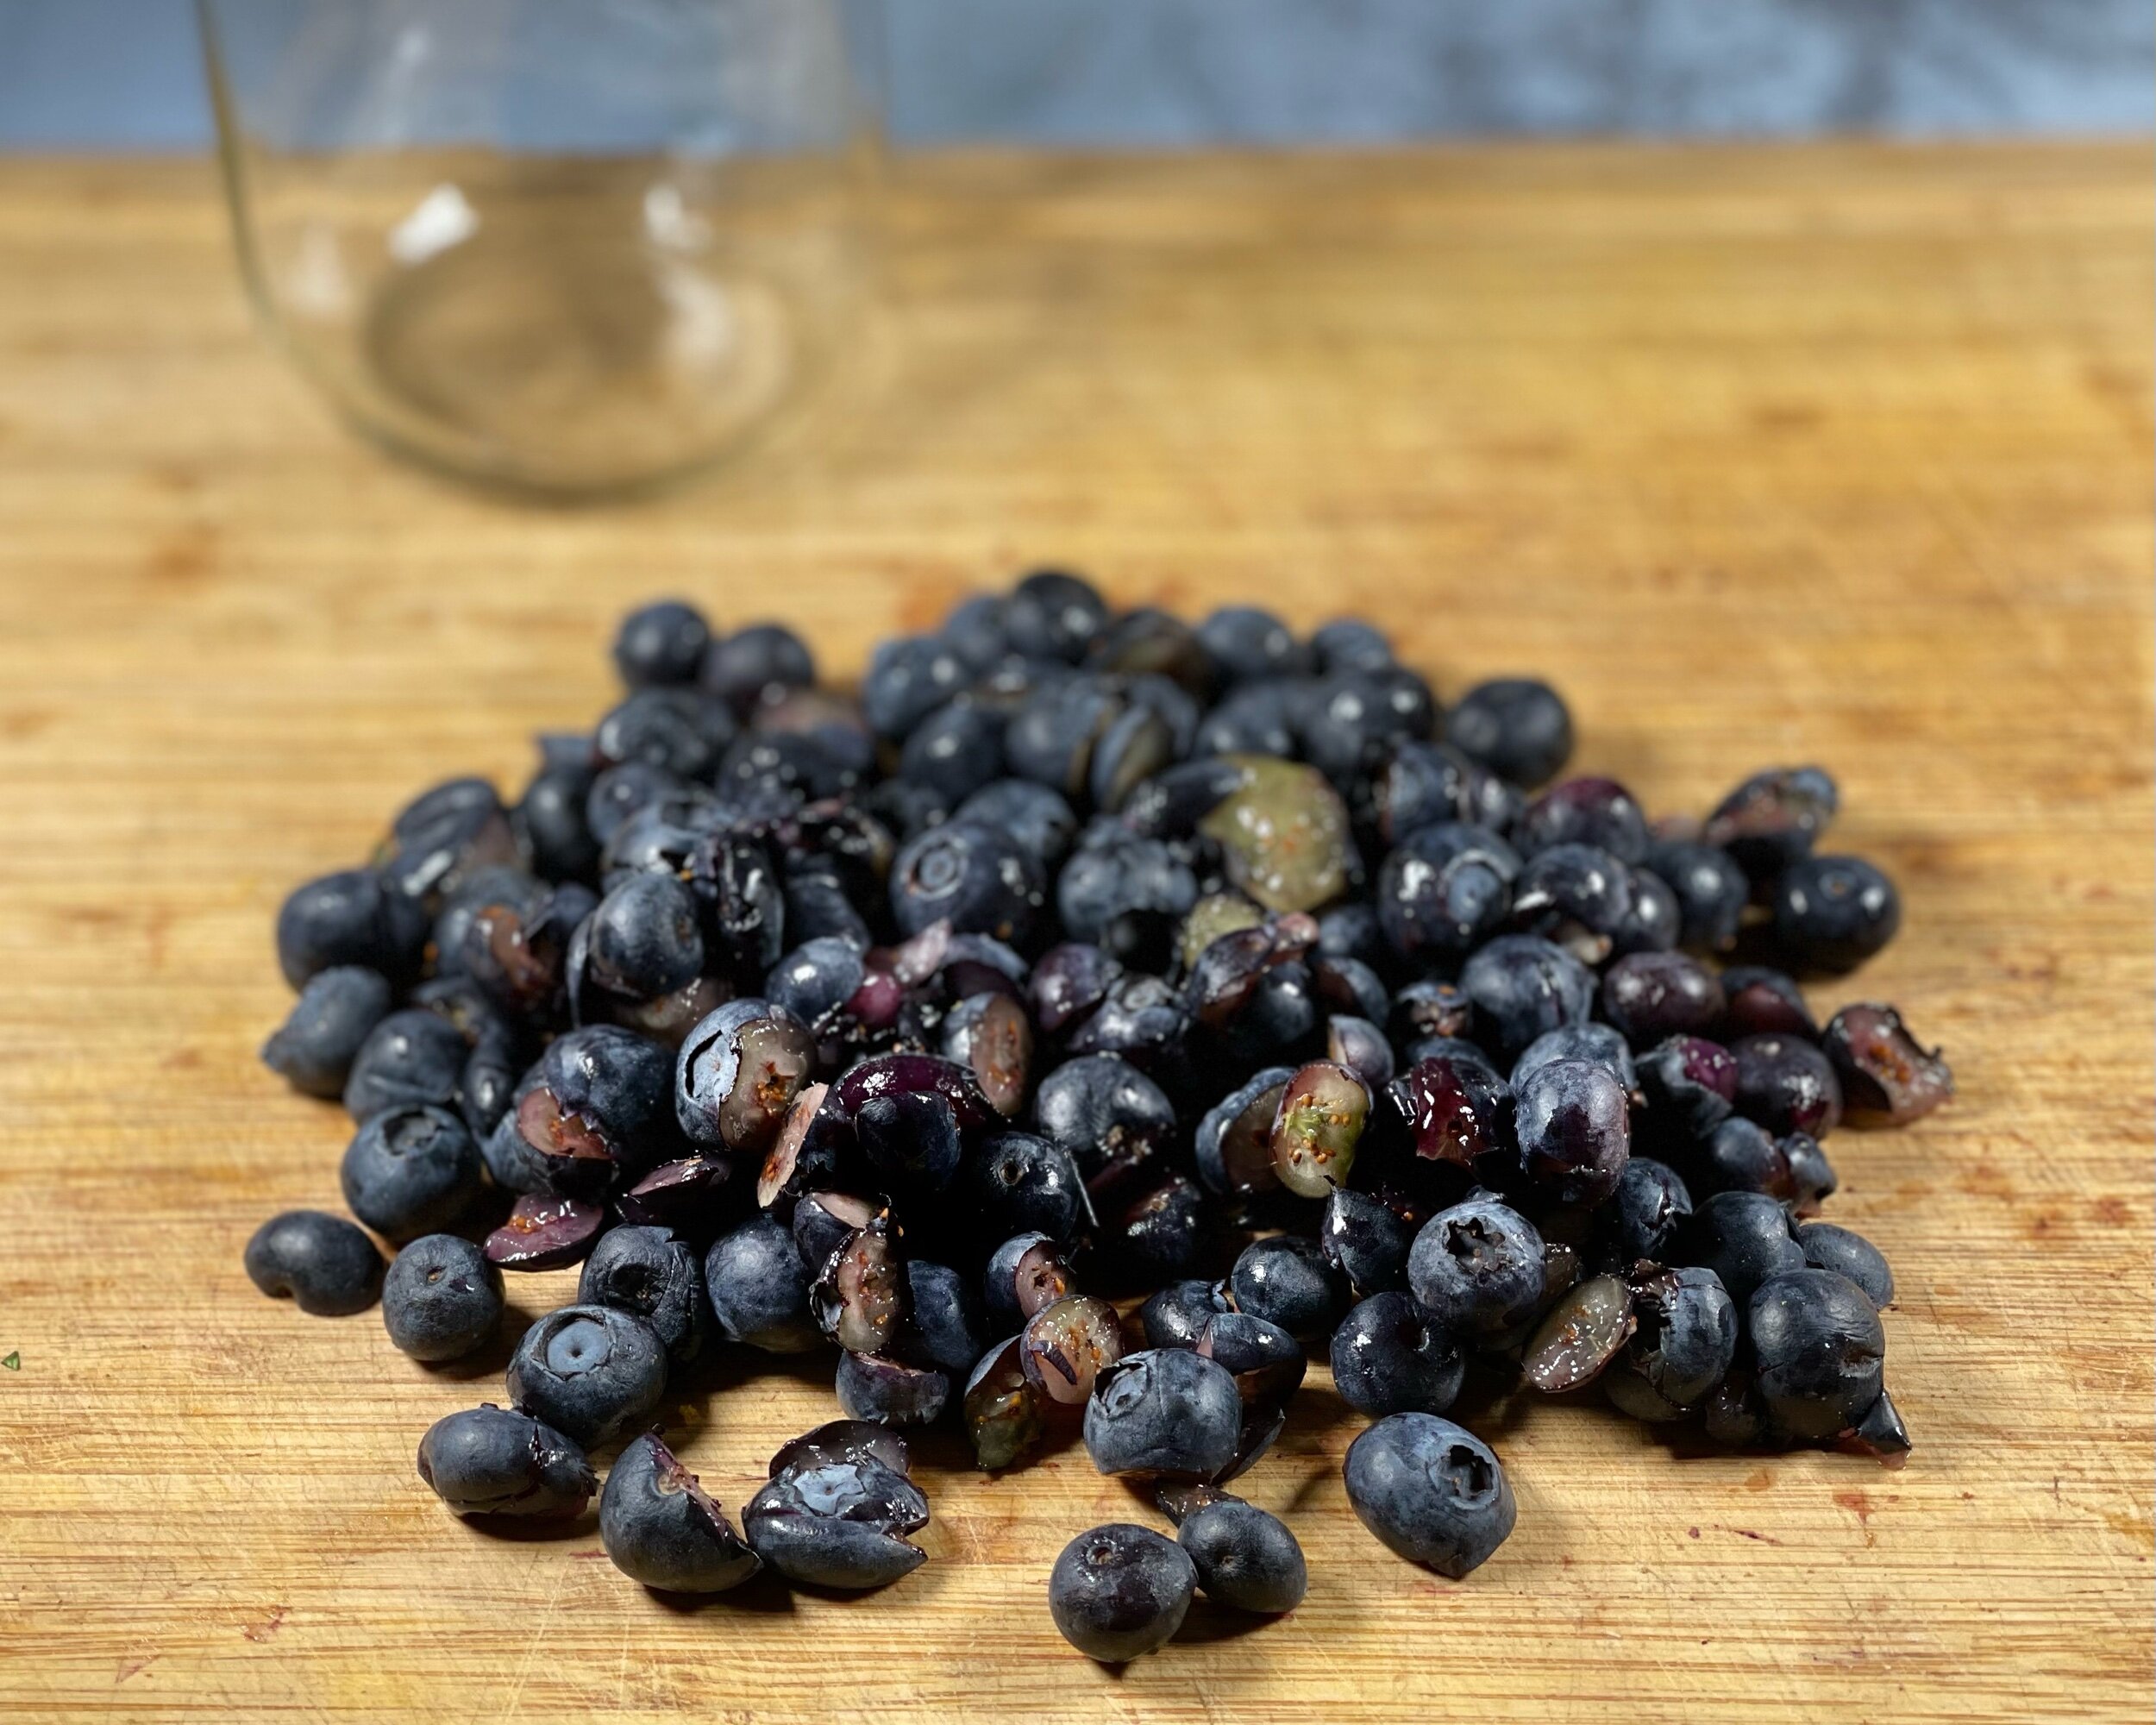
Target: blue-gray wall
(124, 73)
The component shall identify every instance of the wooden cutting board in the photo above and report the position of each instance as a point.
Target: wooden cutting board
(1835, 453)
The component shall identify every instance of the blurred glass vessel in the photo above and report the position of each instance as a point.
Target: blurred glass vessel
(569, 245)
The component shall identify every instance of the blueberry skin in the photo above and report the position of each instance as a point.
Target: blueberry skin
(956, 750)
(1286, 1281)
(1247, 644)
(908, 678)
(660, 1529)
(660, 643)
(1245, 1558)
(410, 1059)
(1390, 1357)
(1685, 1342)
(1833, 912)
(1175, 1316)
(1120, 1590)
(1443, 890)
(1164, 1411)
(756, 665)
(838, 1524)
(590, 1372)
(1573, 1123)
(442, 1299)
(1127, 896)
(623, 1083)
(1163, 1233)
(1847, 1253)
(1021, 1184)
(1711, 892)
(1787, 1084)
(1598, 1042)
(491, 1461)
(979, 880)
(1517, 727)
(1348, 643)
(1034, 815)
(1520, 987)
(1366, 1241)
(1745, 1238)
(411, 1171)
(758, 1287)
(1430, 1490)
(1267, 1363)
(887, 1392)
(1819, 1350)
(1105, 1112)
(642, 941)
(1254, 718)
(1643, 1215)
(350, 918)
(551, 819)
(1477, 1267)
(1598, 812)
(328, 1266)
(945, 1330)
(1687, 1083)
(1052, 614)
(653, 1274)
(313, 1050)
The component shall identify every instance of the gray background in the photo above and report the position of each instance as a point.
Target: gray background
(124, 73)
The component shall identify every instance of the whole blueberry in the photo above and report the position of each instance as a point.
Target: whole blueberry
(975, 631)
(1599, 1043)
(1518, 727)
(1573, 1123)
(1036, 815)
(1744, 1237)
(1773, 818)
(1253, 718)
(1430, 1490)
(410, 1059)
(653, 1274)
(839, 1523)
(1352, 719)
(1818, 1349)
(1019, 1182)
(335, 1011)
(411, 1171)
(590, 1372)
(1348, 643)
(1711, 892)
(1286, 1280)
(1520, 987)
(1652, 996)
(1579, 895)
(1126, 895)
(1052, 614)
(1477, 1267)
(661, 642)
(643, 940)
(1120, 1590)
(908, 678)
(1390, 1357)
(1177, 1314)
(978, 879)
(911, 1140)
(1833, 912)
(350, 918)
(1689, 1084)
(816, 980)
(660, 1528)
(1366, 1240)
(758, 1287)
(1643, 1213)
(1762, 1001)
(551, 820)
(328, 1266)
(678, 730)
(956, 750)
(1443, 890)
(491, 1461)
(1847, 1253)
(1163, 1233)
(442, 1299)
(1247, 643)
(1112, 1120)
(754, 666)
(1164, 1411)
(1655, 920)
(1598, 812)
(1787, 1084)
(1245, 1558)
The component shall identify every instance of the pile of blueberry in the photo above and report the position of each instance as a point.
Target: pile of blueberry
(1085, 958)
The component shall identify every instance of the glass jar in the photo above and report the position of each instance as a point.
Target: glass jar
(570, 246)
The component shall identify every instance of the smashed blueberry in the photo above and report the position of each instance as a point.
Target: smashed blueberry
(840, 1524)
(1164, 1411)
(1888, 1078)
(493, 1461)
(890, 1392)
(660, 1528)
(651, 1274)
(545, 1232)
(326, 1265)
(1818, 1350)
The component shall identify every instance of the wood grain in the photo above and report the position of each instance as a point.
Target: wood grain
(1834, 453)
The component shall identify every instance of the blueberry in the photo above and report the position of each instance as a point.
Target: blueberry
(1165, 1232)
(1578, 1335)
(1176, 1316)
(660, 1528)
(813, 982)
(661, 642)
(822, 1222)
(589, 1371)
(410, 1059)
(860, 1294)
(677, 730)
(978, 879)
(350, 918)
(1516, 726)
(756, 666)
(1286, 1280)
(1652, 996)
(1643, 1215)
(1137, 744)
(1066, 1345)
(1430, 1490)
(1357, 1046)
(1833, 912)
(1574, 1122)
(911, 1140)
(1052, 614)
(1761, 1001)
(1579, 895)
(411, 1171)
(1773, 819)
(1348, 643)
(1120, 1590)
(944, 1324)
(909, 678)
(1879, 1432)
(737, 1075)
(1164, 1411)
(1684, 1342)
(838, 1524)
(489, 1461)
(1477, 1267)
(1034, 815)
(1002, 1409)
(328, 1266)
(1786, 1084)
(1430, 1007)
(1597, 811)
(956, 750)
(1249, 645)
(545, 1232)
(1021, 1184)
(653, 1274)
(1599, 1043)
(633, 791)
(1888, 1078)
(1456, 1109)
(1318, 1123)
(1255, 719)
(1390, 1357)
(1069, 984)
(1126, 895)
(1847, 1253)
(1819, 1350)
(1428, 784)
(683, 1195)
(335, 1011)
(1811, 1176)
(890, 1392)
(758, 1287)
(1744, 1237)
(550, 818)
(1112, 1120)
(1444, 890)
(1245, 1558)
(1052, 736)
(1711, 892)
(603, 1099)
(442, 1299)
(1265, 1361)
(1284, 836)
(1520, 987)
(1689, 1084)
(975, 631)
(1366, 1240)
(643, 940)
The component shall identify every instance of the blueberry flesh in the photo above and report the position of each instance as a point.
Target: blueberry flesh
(1517, 727)
(1819, 1350)
(1245, 1558)
(660, 1528)
(758, 1287)
(314, 1049)
(411, 1171)
(1430, 1490)
(328, 1267)
(1390, 1357)
(1833, 912)
(442, 1299)
(1846, 1253)
(1477, 1267)
(1120, 1590)
(838, 1524)
(590, 1372)
(889, 1392)
(1287, 1281)
(1164, 1411)
(653, 1274)
(491, 1461)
